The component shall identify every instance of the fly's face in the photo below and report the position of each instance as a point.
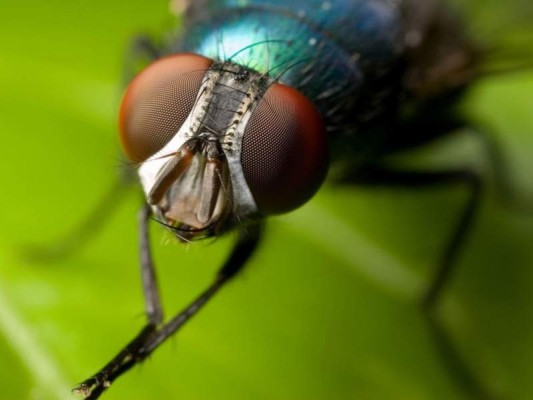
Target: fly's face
(218, 144)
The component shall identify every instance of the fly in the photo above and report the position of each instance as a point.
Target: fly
(238, 118)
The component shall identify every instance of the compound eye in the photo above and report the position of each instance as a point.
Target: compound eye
(158, 101)
(284, 150)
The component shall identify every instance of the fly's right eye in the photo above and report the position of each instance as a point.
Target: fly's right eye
(158, 101)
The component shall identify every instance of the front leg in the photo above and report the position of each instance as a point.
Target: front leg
(155, 333)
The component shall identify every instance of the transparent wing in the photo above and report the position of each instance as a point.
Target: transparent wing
(451, 42)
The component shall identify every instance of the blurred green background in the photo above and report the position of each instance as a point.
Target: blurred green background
(327, 307)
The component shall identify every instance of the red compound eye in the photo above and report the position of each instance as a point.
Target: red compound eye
(158, 101)
(284, 150)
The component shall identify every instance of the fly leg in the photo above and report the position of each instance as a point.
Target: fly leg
(506, 192)
(156, 332)
(141, 52)
(437, 120)
(95, 385)
(429, 301)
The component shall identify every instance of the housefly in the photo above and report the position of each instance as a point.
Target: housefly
(240, 116)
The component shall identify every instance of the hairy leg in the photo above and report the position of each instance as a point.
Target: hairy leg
(155, 331)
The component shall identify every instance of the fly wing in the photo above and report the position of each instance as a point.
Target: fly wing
(440, 54)
(450, 43)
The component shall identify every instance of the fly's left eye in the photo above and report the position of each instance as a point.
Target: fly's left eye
(158, 101)
(284, 150)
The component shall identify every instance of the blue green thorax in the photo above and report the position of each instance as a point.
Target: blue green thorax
(327, 50)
